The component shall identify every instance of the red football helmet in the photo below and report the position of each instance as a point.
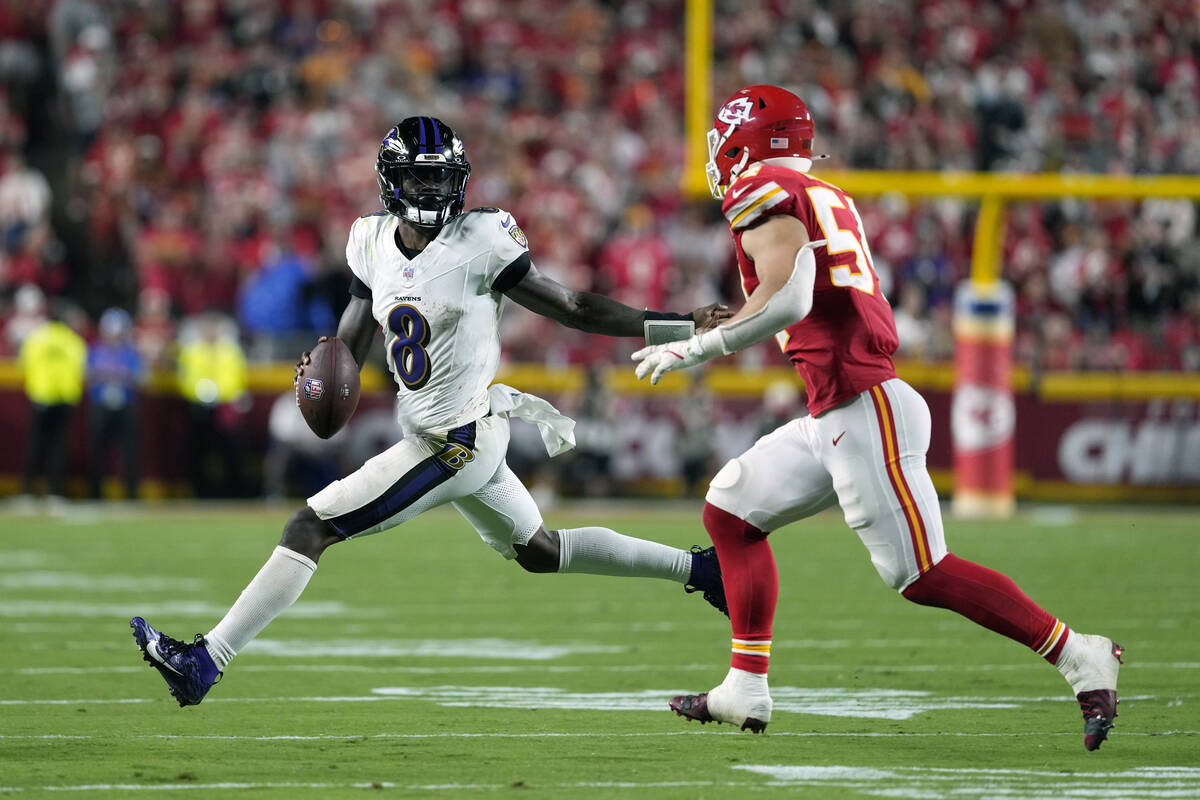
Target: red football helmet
(757, 123)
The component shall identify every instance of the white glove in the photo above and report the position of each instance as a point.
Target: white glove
(660, 359)
(787, 306)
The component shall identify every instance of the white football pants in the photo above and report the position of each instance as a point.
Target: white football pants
(868, 456)
(464, 466)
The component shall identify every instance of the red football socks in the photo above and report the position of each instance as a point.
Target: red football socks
(751, 586)
(988, 598)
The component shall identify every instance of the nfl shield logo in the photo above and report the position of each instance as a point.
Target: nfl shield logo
(409, 272)
(313, 388)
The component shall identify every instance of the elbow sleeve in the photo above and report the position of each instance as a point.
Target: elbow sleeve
(786, 307)
(796, 296)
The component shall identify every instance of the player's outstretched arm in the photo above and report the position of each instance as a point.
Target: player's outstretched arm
(786, 269)
(595, 313)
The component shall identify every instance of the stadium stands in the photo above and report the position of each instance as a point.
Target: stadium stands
(206, 141)
(208, 156)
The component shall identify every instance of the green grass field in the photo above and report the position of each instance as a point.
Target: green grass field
(420, 664)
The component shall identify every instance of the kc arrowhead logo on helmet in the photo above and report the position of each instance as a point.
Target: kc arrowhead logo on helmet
(736, 110)
(758, 122)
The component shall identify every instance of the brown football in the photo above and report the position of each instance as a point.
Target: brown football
(327, 392)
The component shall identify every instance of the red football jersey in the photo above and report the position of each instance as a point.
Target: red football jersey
(845, 344)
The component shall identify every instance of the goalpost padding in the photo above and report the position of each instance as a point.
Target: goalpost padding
(983, 411)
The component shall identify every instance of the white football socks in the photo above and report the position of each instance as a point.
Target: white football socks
(600, 551)
(276, 586)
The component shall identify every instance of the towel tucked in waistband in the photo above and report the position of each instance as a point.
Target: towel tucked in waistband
(558, 430)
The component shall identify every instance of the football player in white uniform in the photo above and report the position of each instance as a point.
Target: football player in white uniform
(434, 279)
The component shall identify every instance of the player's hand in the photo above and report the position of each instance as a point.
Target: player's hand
(660, 359)
(305, 360)
(708, 317)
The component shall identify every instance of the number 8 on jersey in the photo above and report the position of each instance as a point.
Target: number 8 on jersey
(408, 351)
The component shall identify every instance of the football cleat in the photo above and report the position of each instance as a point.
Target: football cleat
(706, 577)
(1099, 709)
(692, 707)
(725, 704)
(188, 669)
(1090, 664)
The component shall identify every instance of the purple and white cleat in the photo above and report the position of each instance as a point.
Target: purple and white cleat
(188, 669)
(706, 577)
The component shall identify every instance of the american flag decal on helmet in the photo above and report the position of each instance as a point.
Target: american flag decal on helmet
(779, 142)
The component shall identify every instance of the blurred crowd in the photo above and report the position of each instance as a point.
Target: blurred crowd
(210, 155)
(61, 370)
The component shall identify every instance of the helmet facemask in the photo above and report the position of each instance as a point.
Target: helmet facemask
(426, 195)
(717, 183)
(427, 189)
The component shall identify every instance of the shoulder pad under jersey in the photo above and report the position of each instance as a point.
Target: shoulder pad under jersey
(750, 198)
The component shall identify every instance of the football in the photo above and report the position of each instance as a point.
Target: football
(327, 392)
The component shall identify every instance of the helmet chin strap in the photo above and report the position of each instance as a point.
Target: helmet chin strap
(420, 222)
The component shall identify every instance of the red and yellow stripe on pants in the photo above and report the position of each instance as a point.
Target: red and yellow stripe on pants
(891, 454)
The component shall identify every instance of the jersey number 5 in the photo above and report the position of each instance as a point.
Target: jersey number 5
(861, 274)
(411, 330)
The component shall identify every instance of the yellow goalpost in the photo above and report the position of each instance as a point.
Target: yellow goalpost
(982, 414)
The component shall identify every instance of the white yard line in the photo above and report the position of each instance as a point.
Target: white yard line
(24, 609)
(476, 648)
(861, 702)
(563, 735)
(551, 668)
(550, 697)
(1145, 783)
(918, 783)
(428, 787)
(85, 582)
(376, 670)
(74, 702)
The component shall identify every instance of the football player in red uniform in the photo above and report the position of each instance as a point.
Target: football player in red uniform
(807, 274)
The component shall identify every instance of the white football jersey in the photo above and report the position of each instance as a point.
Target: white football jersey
(438, 310)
